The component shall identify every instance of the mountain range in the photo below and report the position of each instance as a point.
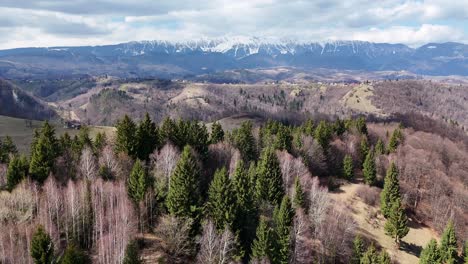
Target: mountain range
(179, 59)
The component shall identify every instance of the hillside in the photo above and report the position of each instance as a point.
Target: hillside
(17, 103)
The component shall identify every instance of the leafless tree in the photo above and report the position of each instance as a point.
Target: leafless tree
(164, 161)
(319, 202)
(174, 232)
(109, 160)
(88, 164)
(215, 248)
(301, 239)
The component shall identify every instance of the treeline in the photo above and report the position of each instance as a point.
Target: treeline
(244, 196)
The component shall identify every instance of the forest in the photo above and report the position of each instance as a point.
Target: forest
(203, 194)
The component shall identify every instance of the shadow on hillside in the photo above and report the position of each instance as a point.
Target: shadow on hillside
(411, 248)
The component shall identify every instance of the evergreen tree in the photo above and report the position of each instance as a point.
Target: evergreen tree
(221, 206)
(395, 140)
(84, 139)
(74, 255)
(125, 137)
(430, 254)
(283, 224)
(322, 134)
(364, 148)
(100, 140)
(183, 198)
(448, 244)
(138, 182)
(269, 178)
(17, 170)
(217, 133)
(370, 256)
(147, 138)
(42, 247)
(397, 222)
(261, 246)
(391, 190)
(369, 170)
(283, 140)
(168, 131)
(244, 141)
(246, 217)
(465, 253)
(131, 254)
(45, 150)
(339, 127)
(384, 258)
(358, 250)
(308, 127)
(299, 195)
(361, 125)
(7, 148)
(379, 147)
(348, 168)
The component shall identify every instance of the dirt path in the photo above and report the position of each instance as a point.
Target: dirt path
(371, 225)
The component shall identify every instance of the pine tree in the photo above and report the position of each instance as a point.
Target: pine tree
(42, 247)
(269, 178)
(348, 168)
(361, 125)
(364, 147)
(221, 206)
(17, 170)
(125, 137)
(370, 256)
(131, 254)
(379, 147)
(147, 138)
(74, 255)
(283, 224)
(384, 257)
(391, 190)
(369, 170)
(430, 254)
(322, 134)
(183, 198)
(448, 244)
(261, 246)
(217, 133)
(339, 127)
(138, 182)
(283, 140)
(45, 150)
(358, 250)
(84, 139)
(245, 141)
(100, 140)
(299, 195)
(7, 148)
(246, 214)
(395, 140)
(168, 131)
(397, 222)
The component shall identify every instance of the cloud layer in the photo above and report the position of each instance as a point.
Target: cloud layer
(84, 22)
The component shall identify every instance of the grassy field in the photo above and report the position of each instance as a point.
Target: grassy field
(22, 133)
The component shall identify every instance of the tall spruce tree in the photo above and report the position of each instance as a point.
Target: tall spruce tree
(448, 244)
(42, 247)
(391, 190)
(397, 222)
(430, 254)
(369, 169)
(183, 198)
(43, 154)
(221, 206)
(395, 140)
(364, 148)
(246, 215)
(245, 141)
(147, 138)
(361, 125)
(283, 139)
(7, 148)
(125, 137)
(283, 224)
(17, 170)
(74, 255)
(322, 134)
(138, 182)
(269, 178)
(217, 133)
(348, 167)
(262, 245)
(299, 195)
(379, 147)
(358, 250)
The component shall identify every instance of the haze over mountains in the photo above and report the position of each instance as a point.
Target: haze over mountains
(179, 59)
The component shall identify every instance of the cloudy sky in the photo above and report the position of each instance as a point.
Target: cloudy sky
(26, 23)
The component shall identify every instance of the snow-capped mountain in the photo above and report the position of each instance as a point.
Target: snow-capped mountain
(165, 58)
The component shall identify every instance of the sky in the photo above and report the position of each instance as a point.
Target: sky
(46, 23)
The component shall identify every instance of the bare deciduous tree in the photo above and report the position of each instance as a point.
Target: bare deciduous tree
(215, 248)
(88, 164)
(318, 204)
(174, 232)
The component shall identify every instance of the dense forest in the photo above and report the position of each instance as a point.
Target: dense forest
(256, 194)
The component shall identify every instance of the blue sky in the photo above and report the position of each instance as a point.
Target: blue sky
(26, 23)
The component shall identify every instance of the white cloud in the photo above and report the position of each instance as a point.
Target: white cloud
(85, 22)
